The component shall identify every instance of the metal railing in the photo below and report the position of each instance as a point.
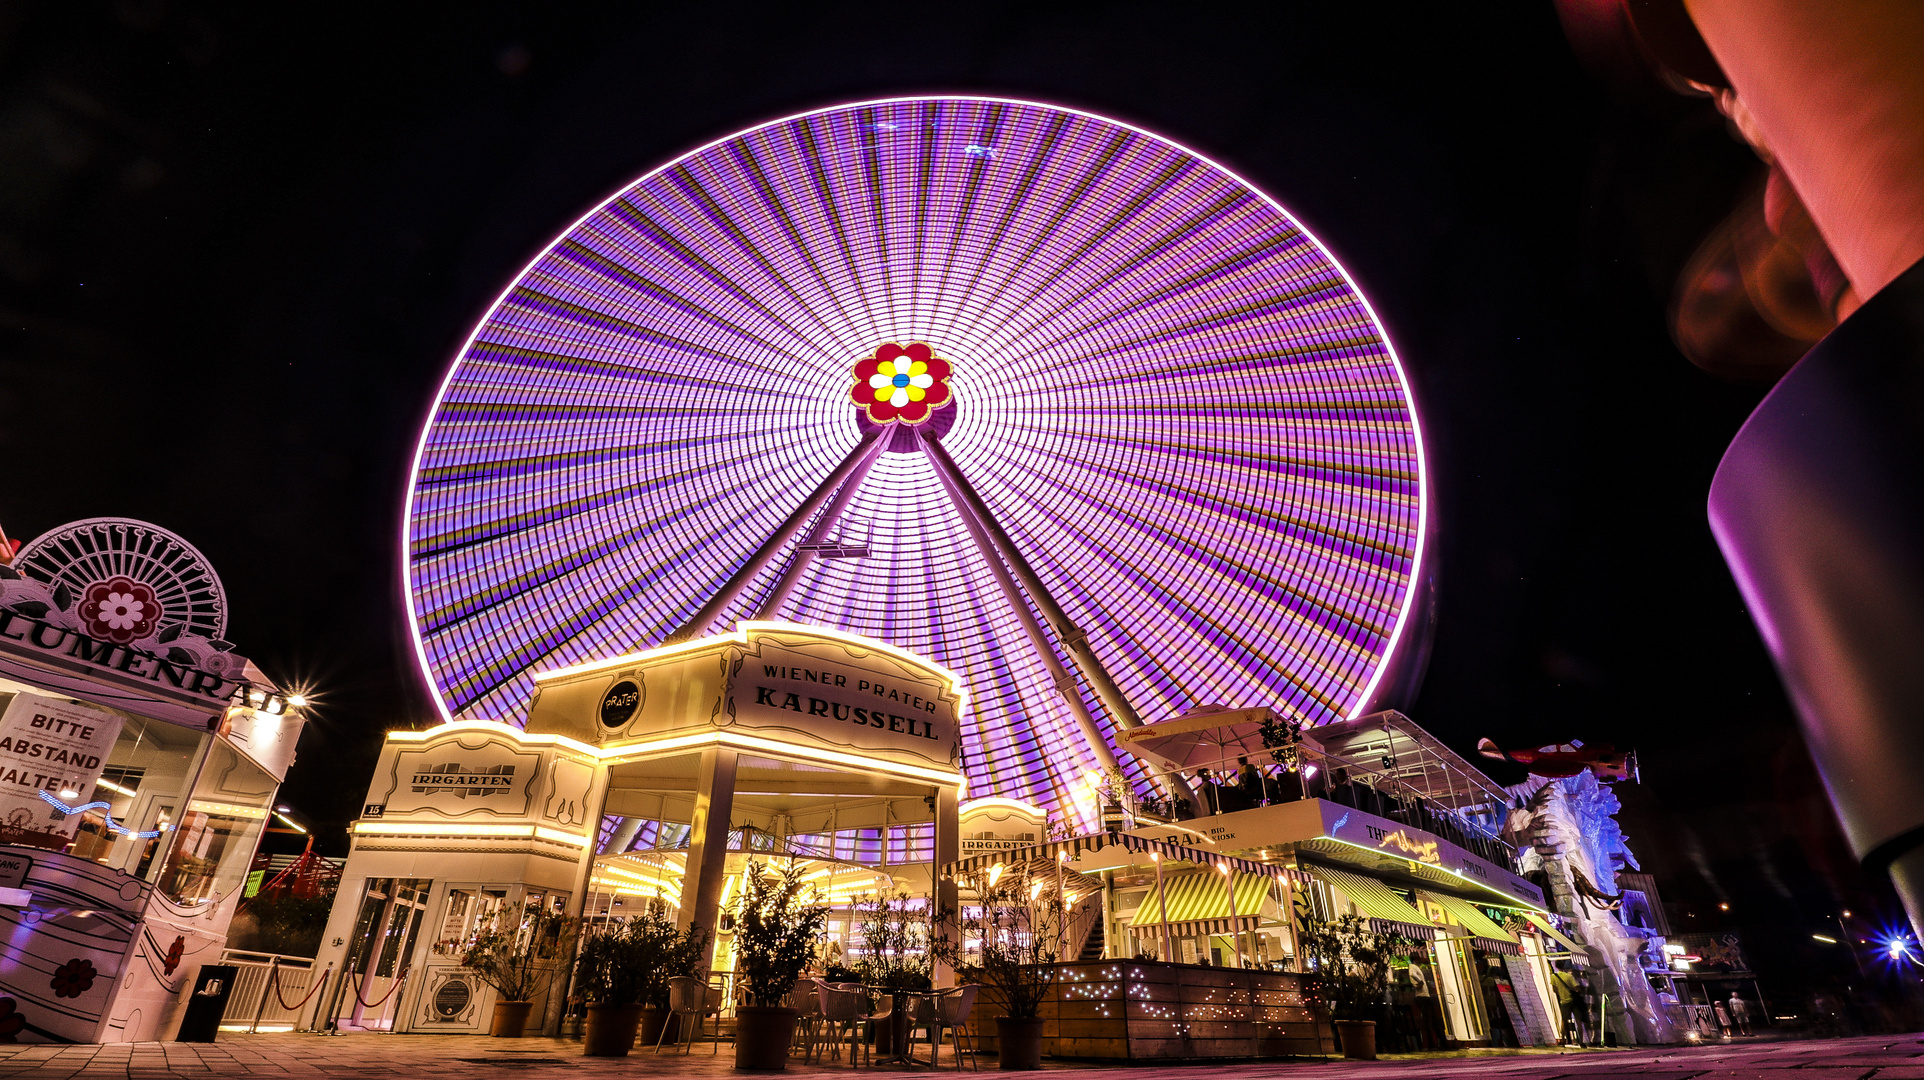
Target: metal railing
(1302, 772)
(264, 982)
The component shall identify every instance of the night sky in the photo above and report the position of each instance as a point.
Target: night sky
(239, 246)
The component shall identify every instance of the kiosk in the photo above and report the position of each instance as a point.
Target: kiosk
(141, 757)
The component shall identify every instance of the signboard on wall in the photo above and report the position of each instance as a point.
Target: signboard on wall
(864, 700)
(48, 745)
(466, 774)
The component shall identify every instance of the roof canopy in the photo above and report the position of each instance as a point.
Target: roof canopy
(1381, 746)
(1390, 744)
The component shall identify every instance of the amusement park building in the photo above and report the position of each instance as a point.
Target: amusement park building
(139, 760)
(852, 489)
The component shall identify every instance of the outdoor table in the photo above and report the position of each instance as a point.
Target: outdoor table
(900, 1016)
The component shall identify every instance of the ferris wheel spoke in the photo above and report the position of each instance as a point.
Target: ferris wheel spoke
(731, 590)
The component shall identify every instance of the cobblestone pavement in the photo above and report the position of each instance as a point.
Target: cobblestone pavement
(446, 1057)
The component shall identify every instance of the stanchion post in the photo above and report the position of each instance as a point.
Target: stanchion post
(320, 999)
(267, 987)
(334, 1005)
(393, 1001)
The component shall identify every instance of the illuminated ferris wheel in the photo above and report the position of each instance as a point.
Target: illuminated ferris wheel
(1051, 400)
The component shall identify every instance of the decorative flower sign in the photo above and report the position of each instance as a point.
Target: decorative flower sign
(73, 978)
(906, 383)
(120, 610)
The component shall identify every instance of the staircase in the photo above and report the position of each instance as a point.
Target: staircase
(1092, 945)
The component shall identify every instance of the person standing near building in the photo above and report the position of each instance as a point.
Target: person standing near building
(1739, 1013)
(1565, 985)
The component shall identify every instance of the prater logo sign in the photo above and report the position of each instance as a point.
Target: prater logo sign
(619, 704)
(464, 782)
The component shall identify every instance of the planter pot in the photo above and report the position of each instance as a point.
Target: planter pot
(762, 1036)
(611, 1030)
(1358, 1038)
(510, 1019)
(1018, 1043)
(653, 1019)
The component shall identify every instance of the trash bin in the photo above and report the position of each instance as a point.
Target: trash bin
(207, 1003)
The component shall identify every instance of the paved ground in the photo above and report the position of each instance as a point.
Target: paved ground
(445, 1057)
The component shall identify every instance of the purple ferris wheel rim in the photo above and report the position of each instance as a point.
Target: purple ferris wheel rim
(1178, 404)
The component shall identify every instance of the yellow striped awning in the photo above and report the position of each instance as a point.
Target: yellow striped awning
(1376, 902)
(1469, 918)
(1543, 923)
(1198, 897)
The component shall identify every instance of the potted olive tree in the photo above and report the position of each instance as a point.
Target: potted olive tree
(897, 932)
(1349, 974)
(517, 953)
(778, 926)
(1015, 960)
(624, 970)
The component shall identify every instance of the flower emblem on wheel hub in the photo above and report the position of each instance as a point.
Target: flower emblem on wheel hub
(901, 382)
(120, 610)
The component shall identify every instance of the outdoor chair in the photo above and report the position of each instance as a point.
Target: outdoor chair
(846, 1012)
(808, 1006)
(952, 1011)
(691, 999)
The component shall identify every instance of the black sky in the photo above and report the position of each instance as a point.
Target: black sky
(239, 243)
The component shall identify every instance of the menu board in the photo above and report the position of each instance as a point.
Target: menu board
(47, 745)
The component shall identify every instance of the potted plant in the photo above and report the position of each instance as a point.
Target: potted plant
(1015, 960)
(778, 925)
(1117, 800)
(1349, 974)
(516, 952)
(896, 953)
(624, 969)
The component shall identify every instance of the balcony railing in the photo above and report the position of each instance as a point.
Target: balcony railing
(1303, 772)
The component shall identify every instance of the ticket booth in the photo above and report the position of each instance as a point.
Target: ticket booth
(139, 761)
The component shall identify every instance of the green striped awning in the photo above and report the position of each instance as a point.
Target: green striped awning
(1543, 923)
(1376, 902)
(1198, 897)
(1493, 937)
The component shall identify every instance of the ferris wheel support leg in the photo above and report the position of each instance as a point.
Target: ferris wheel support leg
(858, 459)
(832, 513)
(1001, 555)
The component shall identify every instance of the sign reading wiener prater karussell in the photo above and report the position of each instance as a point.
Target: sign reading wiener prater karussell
(853, 694)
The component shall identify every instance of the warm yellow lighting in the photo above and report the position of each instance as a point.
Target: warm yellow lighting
(995, 874)
(807, 752)
(395, 828)
(997, 802)
(299, 701)
(111, 786)
(739, 636)
(289, 822)
(228, 810)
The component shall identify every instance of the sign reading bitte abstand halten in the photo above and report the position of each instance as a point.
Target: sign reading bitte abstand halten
(47, 744)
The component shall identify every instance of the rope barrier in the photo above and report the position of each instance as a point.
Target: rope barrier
(274, 980)
(365, 1003)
